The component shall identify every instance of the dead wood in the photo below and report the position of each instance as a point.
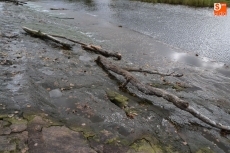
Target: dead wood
(78, 42)
(14, 1)
(152, 72)
(99, 50)
(148, 90)
(64, 18)
(46, 36)
(58, 9)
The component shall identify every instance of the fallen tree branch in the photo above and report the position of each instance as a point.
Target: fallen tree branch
(99, 50)
(14, 1)
(58, 9)
(46, 36)
(64, 18)
(152, 72)
(93, 48)
(78, 42)
(148, 90)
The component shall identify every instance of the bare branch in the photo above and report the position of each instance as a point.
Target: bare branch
(46, 36)
(148, 90)
(99, 50)
(152, 72)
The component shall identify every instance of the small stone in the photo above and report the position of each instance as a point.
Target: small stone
(55, 93)
(28, 105)
(18, 127)
(48, 89)
(185, 143)
(83, 124)
(71, 85)
(10, 115)
(15, 112)
(36, 144)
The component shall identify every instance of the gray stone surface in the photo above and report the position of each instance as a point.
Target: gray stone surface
(61, 139)
(55, 93)
(6, 145)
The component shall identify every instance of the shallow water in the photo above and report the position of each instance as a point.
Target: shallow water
(193, 30)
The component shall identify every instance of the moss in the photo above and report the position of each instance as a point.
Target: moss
(15, 120)
(2, 116)
(144, 146)
(28, 117)
(111, 141)
(85, 131)
(205, 150)
(177, 87)
(118, 99)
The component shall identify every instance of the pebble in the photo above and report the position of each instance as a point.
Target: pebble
(55, 93)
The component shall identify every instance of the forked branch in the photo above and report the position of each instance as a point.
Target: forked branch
(148, 90)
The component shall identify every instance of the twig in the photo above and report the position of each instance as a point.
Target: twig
(99, 50)
(93, 48)
(148, 90)
(64, 18)
(46, 36)
(152, 72)
(14, 1)
(58, 9)
(78, 42)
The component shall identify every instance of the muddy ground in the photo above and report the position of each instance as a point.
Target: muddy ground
(56, 100)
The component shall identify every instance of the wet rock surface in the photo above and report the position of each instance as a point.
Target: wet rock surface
(55, 100)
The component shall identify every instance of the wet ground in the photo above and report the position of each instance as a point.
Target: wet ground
(55, 100)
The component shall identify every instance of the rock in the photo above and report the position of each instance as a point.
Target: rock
(17, 125)
(55, 93)
(4, 129)
(6, 146)
(60, 139)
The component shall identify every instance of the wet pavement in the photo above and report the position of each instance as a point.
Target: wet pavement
(56, 100)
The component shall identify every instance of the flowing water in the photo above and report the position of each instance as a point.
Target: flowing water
(193, 30)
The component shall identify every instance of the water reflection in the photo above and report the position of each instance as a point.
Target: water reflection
(195, 61)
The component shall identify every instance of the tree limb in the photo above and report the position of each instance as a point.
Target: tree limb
(148, 90)
(93, 48)
(99, 50)
(78, 42)
(45, 36)
(14, 1)
(152, 72)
